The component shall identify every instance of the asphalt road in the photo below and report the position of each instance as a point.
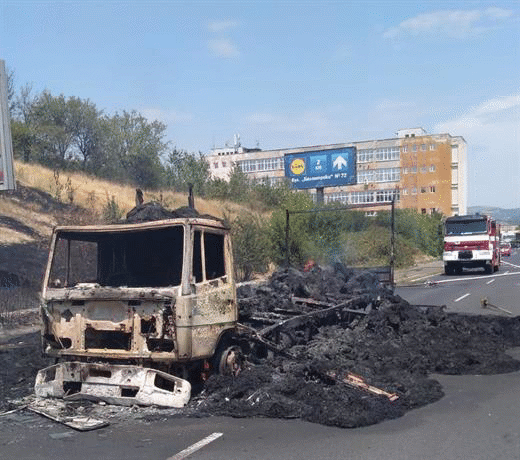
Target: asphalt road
(478, 419)
(464, 293)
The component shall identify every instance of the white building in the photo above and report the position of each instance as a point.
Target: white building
(424, 171)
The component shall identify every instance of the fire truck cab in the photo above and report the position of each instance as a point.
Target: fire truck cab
(471, 241)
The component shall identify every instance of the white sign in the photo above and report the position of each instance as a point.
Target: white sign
(339, 162)
(7, 181)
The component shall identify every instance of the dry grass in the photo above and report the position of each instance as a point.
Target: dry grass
(93, 193)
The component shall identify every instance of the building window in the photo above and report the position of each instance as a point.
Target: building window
(224, 164)
(404, 191)
(404, 148)
(432, 168)
(405, 170)
(365, 156)
(414, 169)
(423, 147)
(379, 175)
(262, 164)
(414, 148)
(423, 210)
(414, 191)
(432, 188)
(385, 196)
(381, 154)
(432, 146)
(423, 189)
(423, 169)
(387, 154)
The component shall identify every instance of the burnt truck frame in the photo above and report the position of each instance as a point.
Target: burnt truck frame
(133, 310)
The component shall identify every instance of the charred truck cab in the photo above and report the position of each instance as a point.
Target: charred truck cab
(133, 310)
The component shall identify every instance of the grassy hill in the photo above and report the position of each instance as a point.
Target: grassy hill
(45, 199)
(506, 216)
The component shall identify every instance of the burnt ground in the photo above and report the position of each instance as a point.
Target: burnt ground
(393, 345)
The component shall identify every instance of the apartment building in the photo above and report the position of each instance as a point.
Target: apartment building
(426, 172)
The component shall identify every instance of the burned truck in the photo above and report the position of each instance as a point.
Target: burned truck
(132, 311)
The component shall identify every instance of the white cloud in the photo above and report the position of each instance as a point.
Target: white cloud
(492, 132)
(223, 47)
(168, 117)
(221, 26)
(449, 23)
(498, 105)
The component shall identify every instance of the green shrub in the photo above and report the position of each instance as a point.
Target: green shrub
(112, 213)
(250, 245)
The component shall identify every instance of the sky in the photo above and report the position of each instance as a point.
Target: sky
(288, 73)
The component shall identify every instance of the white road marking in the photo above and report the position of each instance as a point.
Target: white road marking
(426, 276)
(194, 447)
(509, 263)
(462, 297)
(467, 278)
(491, 281)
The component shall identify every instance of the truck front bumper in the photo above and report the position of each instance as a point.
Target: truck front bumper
(114, 384)
(467, 256)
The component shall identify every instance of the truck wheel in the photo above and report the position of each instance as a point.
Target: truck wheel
(229, 361)
(488, 268)
(448, 269)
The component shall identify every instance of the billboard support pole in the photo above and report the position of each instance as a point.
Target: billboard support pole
(320, 195)
(7, 181)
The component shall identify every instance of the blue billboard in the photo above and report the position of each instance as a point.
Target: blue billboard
(321, 168)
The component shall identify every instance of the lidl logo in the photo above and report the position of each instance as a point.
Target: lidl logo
(297, 166)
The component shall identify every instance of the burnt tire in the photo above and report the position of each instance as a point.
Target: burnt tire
(228, 360)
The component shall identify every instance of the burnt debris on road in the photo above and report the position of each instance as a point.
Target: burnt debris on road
(324, 338)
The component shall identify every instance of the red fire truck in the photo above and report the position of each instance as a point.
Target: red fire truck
(471, 241)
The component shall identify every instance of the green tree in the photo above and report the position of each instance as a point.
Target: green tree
(251, 246)
(23, 140)
(134, 149)
(87, 130)
(300, 243)
(22, 126)
(217, 188)
(269, 196)
(185, 168)
(239, 186)
(52, 129)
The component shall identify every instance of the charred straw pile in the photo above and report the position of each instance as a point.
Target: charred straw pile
(392, 345)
